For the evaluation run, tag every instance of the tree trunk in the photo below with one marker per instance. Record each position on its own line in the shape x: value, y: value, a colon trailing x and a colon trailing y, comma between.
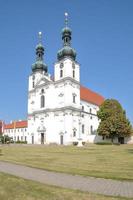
x: 112, y: 140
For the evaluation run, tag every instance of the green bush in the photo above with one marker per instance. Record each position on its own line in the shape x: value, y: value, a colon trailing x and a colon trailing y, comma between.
x: 75, y: 143
x: 104, y: 143
x: 21, y: 142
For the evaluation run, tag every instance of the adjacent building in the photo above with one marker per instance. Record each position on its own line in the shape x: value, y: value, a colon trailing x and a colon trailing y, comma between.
x: 17, y: 130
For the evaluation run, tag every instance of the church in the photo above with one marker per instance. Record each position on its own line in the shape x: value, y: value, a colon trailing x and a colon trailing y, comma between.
x: 60, y: 109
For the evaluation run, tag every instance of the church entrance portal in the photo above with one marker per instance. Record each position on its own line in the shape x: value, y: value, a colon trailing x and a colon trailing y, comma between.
x: 42, y: 138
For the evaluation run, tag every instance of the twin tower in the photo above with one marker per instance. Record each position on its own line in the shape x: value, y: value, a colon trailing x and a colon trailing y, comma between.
x: 65, y: 52
x: 54, y: 101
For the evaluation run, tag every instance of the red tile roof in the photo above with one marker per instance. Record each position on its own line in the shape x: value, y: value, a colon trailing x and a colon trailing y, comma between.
x: 90, y: 96
x: 16, y: 124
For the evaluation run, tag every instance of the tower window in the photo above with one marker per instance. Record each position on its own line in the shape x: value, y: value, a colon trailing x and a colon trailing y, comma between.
x: 42, y: 101
x: 73, y: 73
x: 33, y: 84
x: 83, y: 128
x: 61, y: 73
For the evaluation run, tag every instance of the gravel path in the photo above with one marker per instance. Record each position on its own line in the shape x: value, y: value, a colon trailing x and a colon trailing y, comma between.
x: 87, y: 184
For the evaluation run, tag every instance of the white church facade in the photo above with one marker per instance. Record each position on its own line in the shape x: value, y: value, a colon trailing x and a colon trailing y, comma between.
x: 60, y: 110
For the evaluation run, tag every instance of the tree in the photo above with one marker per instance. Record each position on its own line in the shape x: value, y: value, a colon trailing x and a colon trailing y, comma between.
x: 4, y: 139
x: 113, y: 120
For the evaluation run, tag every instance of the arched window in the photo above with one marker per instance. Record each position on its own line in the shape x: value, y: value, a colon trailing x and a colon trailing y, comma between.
x: 42, y: 101
x: 83, y: 128
x: 73, y: 73
x: 61, y: 73
x: 91, y: 129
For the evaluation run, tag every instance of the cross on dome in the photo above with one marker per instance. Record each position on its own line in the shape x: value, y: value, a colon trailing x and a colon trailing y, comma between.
x: 66, y: 19
x: 40, y: 36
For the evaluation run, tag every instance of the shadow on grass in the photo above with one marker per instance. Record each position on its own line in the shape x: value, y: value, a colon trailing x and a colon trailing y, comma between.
x: 130, y: 151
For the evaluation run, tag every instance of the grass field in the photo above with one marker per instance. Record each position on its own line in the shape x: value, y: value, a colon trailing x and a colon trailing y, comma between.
x: 13, y: 188
x: 110, y: 161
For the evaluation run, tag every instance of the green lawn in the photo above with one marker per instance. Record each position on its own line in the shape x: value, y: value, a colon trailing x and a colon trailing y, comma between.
x: 13, y: 188
x: 108, y: 161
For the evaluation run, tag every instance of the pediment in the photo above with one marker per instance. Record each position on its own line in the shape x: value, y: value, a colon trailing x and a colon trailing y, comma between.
x: 42, y: 81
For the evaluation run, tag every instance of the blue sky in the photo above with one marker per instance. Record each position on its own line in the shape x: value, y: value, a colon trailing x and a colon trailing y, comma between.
x: 102, y: 37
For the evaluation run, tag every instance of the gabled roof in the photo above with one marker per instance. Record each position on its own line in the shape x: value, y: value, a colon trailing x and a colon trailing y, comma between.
x: 16, y: 124
x: 90, y: 96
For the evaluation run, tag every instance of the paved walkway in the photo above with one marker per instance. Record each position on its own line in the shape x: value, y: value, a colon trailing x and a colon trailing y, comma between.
x: 88, y: 184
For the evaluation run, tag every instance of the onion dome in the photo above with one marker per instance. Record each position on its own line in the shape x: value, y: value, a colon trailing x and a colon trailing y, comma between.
x: 66, y: 32
x: 39, y: 65
x: 67, y: 50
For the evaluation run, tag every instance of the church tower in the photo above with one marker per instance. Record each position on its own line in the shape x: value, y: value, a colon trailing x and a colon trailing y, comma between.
x: 37, y: 96
x: 66, y: 65
x: 67, y: 70
x: 39, y: 68
x: 54, y: 103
